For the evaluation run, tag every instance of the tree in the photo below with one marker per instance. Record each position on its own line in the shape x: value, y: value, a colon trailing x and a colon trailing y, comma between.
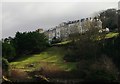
x: 85, y: 46
x: 109, y: 18
x: 8, y: 51
x: 29, y: 42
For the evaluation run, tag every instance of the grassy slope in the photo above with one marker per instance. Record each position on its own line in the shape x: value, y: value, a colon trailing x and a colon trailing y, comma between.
x: 50, y: 59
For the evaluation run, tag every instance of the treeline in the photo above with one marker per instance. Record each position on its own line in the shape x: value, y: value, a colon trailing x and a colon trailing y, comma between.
x: 23, y: 44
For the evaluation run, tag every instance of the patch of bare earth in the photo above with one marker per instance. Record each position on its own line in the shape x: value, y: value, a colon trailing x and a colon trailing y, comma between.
x: 18, y: 75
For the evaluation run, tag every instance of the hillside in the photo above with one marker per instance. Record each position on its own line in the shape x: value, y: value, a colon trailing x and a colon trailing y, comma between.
x: 48, y: 63
x: 50, y: 59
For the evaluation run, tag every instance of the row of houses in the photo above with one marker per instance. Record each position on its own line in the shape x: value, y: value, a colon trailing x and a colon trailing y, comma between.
x: 64, y: 29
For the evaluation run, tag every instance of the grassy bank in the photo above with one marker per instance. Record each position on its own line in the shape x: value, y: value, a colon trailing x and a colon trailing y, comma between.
x: 52, y: 58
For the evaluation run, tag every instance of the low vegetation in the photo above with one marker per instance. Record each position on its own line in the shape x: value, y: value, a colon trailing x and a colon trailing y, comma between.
x: 96, y: 58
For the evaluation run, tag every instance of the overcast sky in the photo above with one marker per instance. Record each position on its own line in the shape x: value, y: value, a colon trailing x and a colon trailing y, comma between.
x: 29, y: 16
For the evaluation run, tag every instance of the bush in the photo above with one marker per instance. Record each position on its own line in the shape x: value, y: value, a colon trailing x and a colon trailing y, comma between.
x: 112, y: 49
x: 101, y: 75
x: 55, y: 40
x: 70, y: 58
x: 85, y: 46
x: 102, y: 69
x: 5, y: 67
x: 8, y: 51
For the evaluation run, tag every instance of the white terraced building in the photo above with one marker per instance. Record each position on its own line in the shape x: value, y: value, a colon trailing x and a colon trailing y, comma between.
x: 64, y: 29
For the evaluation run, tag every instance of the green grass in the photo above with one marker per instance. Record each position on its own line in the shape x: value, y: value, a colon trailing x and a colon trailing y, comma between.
x: 111, y: 34
x: 107, y: 36
x: 65, y: 42
x: 51, y: 57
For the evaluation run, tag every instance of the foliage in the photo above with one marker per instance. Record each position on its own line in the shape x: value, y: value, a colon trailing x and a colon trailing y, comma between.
x: 5, y: 67
x: 103, y: 69
x: 84, y: 46
x: 109, y: 19
x: 29, y: 42
x: 89, y: 49
x: 111, y: 48
x: 55, y: 40
x: 101, y: 75
x: 8, y: 51
x: 22, y: 44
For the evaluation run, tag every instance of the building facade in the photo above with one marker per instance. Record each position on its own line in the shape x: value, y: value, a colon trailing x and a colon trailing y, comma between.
x: 63, y: 30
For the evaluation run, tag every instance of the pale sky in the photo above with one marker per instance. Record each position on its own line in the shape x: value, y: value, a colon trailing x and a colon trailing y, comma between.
x: 29, y: 16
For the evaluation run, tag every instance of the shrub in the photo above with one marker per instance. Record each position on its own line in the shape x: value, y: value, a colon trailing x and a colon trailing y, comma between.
x: 85, y: 46
x: 112, y: 49
x: 8, y: 51
x: 104, y: 69
x: 70, y: 56
x: 5, y: 67
x: 102, y: 75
